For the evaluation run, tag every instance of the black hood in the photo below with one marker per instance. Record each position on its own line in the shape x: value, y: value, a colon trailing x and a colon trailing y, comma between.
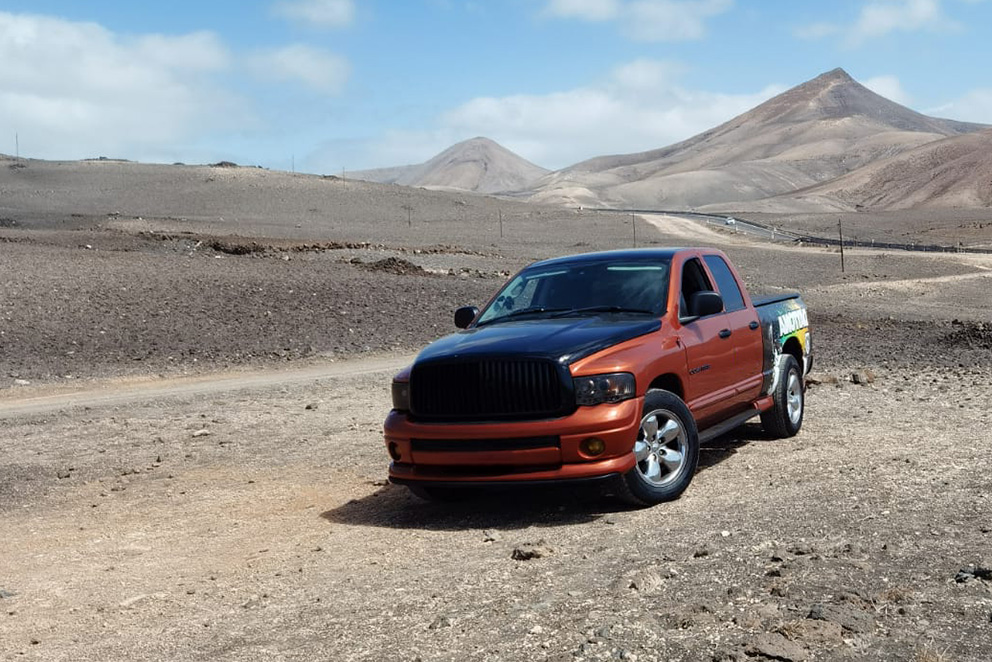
x: 563, y: 339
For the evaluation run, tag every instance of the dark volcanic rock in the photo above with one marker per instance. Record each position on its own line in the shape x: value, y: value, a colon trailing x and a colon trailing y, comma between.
x: 531, y: 550
x: 774, y: 646
x: 848, y: 616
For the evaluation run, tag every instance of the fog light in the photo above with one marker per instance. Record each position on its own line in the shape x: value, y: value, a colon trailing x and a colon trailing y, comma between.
x: 592, y: 446
x: 394, y: 450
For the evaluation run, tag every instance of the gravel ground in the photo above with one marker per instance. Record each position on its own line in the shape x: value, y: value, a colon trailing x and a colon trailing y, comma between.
x: 252, y: 521
x: 255, y: 524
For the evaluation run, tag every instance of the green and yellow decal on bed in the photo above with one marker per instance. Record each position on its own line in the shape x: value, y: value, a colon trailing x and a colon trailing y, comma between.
x: 786, y: 324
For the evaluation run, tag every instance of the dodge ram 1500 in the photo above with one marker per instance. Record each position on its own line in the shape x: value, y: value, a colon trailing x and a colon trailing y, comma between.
x: 609, y: 366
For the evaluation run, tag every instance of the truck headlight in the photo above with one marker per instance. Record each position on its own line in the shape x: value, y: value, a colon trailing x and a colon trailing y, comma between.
x: 401, y: 396
x: 597, y: 389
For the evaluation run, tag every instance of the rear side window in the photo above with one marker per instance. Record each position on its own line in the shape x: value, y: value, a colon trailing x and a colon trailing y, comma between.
x: 725, y: 281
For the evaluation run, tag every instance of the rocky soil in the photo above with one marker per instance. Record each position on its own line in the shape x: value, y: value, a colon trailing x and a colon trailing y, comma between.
x: 251, y: 520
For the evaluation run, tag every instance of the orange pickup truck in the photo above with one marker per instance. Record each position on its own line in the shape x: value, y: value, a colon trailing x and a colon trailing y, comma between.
x: 609, y: 366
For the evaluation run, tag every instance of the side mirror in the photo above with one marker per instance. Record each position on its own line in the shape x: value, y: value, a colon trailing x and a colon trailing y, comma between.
x: 465, y: 315
x: 705, y: 303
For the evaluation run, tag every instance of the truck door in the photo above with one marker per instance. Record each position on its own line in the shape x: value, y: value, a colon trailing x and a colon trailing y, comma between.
x: 709, y: 351
x: 743, y: 323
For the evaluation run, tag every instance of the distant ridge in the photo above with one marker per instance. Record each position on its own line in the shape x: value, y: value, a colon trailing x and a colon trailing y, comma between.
x: 479, y: 165
x: 810, y: 134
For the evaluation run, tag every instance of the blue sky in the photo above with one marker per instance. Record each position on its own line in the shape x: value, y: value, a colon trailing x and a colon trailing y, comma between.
x: 322, y: 85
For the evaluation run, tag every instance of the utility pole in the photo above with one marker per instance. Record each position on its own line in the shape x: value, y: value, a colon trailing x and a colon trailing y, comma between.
x: 17, y: 147
x: 840, y: 231
x: 633, y: 226
x: 500, y: 223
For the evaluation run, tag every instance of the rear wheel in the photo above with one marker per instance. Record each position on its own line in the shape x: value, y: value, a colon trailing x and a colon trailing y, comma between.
x: 666, y: 450
x: 786, y: 416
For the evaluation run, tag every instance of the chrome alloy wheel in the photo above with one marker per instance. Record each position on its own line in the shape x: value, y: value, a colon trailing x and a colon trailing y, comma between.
x: 794, y: 398
x: 660, y: 447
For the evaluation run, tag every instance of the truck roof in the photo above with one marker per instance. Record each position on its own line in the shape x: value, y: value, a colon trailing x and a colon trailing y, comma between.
x: 622, y: 254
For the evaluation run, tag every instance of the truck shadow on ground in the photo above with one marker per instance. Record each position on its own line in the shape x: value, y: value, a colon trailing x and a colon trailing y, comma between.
x: 395, y: 507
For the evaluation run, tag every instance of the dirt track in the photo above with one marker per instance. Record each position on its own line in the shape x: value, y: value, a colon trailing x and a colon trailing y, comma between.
x: 128, y: 392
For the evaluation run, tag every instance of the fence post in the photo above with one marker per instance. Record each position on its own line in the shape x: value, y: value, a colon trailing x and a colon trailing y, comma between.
x: 840, y: 231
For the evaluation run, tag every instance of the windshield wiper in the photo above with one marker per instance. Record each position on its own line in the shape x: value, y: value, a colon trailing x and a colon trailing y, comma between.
x: 604, y: 309
x: 523, y: 311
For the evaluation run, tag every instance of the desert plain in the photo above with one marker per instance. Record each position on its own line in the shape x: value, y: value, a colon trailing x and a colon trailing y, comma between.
x: 195, y: 365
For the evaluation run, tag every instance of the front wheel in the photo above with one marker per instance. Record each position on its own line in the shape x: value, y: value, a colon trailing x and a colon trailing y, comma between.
x: 666, y: 449
x: 786, y: 416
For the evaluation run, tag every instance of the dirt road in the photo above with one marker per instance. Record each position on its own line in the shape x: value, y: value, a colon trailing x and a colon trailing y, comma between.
x: 129, y: 391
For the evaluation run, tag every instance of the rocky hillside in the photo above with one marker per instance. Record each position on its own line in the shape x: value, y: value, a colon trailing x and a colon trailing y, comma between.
x: 953, y: 172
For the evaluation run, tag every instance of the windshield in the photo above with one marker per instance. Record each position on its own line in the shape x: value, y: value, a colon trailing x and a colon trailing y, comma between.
x: 637, y: 287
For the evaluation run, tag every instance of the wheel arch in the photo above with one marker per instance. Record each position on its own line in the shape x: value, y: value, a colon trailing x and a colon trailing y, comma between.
x: 669, y: 382
x: 794, y: 348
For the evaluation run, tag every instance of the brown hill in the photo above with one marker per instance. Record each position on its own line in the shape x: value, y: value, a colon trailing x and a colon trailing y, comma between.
x: 812, y: 133
x: 231, y: 200
x: 953, y: 172
x: 479, y: 165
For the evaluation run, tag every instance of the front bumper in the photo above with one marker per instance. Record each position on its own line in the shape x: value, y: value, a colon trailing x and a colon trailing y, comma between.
x: 513, y: 452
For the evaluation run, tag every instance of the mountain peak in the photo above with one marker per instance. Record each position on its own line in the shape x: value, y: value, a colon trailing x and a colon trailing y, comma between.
x: 818, y: 130
x: 479, y: 144
x: 835, y: 95
x: 478, y: 164
x: 836, y: 75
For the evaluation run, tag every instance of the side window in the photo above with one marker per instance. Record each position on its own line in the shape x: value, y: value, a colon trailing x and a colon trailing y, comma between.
x: 731, y: 293
x: 693, y: 280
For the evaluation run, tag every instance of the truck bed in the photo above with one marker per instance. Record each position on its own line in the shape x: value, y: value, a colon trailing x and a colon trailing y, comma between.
x: 769, y: 299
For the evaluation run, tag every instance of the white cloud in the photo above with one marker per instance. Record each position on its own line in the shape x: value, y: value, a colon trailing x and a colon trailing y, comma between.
x: 668, y: 20
x: 641, y: 105
x: 889, y: 87
x: 879, y: 18
x: 974, y: 106
x: 318, y: 69
x: 816, y: 30
x: 589, y: 10
x: 645, y: 20
x: 317, y: 13
x: 74, y: 90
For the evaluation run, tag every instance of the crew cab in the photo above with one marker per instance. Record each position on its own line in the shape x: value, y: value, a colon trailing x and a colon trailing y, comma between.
x: 609, y: 366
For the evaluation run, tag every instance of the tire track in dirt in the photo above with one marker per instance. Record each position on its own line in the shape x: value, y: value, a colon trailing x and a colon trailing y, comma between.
x: 909, y: 283
x: 126, y: 391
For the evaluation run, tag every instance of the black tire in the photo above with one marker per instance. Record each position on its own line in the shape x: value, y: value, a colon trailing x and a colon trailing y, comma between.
x: 438, y: 494
x: 785, y: 418
x: 667, y: 451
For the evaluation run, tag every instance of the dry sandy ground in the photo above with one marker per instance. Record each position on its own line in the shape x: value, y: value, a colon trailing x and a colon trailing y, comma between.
x: 223, y: 496
x: 130, y: 533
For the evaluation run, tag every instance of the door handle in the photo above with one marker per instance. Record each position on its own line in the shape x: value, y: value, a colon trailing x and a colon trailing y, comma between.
x: 752, y: 326
x: 725, y: 333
